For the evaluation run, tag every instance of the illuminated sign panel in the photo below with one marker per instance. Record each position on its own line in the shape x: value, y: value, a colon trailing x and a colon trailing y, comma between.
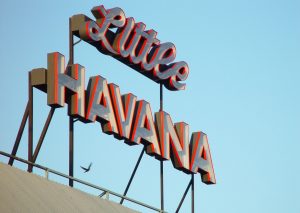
x: 132, y: 45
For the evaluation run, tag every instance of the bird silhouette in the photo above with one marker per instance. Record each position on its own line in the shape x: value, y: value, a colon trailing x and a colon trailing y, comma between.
x: 86, y: 169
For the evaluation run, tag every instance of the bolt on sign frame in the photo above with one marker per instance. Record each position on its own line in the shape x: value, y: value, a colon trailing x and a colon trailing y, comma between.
x: 98, y: 34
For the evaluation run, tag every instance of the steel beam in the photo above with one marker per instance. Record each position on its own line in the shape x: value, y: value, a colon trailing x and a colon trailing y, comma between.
x: 161, y: 162
x: 71, y: 122
x: 71, y: 150
x: 161, y: 101
x: 193, y: 193
x: 43, y: 134
x: 161, y: 185
x: 30, y: 122
x: 183, y: 196
x: 19, y: 135
x: 132, y: 175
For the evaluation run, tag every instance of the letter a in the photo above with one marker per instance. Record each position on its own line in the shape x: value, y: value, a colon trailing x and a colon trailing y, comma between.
x: 99, y: 106
x: 201, y: 158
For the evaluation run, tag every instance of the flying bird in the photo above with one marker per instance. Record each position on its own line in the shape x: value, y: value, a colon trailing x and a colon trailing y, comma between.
x: 86, y: 169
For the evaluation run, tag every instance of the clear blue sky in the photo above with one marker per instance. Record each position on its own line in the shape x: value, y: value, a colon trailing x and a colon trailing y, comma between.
x: 243, y: 91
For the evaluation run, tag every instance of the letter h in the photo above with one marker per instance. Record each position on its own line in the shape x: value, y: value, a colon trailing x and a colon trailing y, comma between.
x: 59, y: 79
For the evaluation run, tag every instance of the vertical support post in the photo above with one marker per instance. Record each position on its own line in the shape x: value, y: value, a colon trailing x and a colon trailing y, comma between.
x: 161, y: 185
x: 161, y: 162
x: 193, y: 195
x: 30, y: 122
x: 71, y: 45
x: 47, y: 174
x: 161, y: 97
x: 71, y: 150
x: 71, y: 122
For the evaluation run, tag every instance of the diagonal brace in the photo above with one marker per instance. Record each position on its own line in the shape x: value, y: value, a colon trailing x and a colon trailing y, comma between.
x: 132, y: 175
x: 19, y: 135
x: 184, y: 195
x: 43, y: 134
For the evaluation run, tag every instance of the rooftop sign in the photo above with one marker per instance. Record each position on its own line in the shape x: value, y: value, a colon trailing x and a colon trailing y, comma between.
x: 125, y: 116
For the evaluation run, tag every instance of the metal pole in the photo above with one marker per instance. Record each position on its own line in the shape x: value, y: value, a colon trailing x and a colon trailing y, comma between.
x: 161, y: 185
x: 102, y: 194
x: 161, y: 97
x: 71, y: 123
x: 132, y: 175
x: 71, y: 150
x: 30, y: 122
x: 71, y: 45
x: 19, y: 135
x: 161, y: 162
x: 107, y: 195
x: 47, y: 174
x: 184, y: 195
x: 193, y: 194
x: 43, y: 134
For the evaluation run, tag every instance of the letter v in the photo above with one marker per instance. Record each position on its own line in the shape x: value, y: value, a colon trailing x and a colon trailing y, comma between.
x: 124, y: 108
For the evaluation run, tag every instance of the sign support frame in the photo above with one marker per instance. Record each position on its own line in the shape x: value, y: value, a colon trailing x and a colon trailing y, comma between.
x: 19, y: 135
x: 132, y: 175
x: 30, y: 122
x: 161, y: 162
x: 193, y: 193
x: 71, y: 121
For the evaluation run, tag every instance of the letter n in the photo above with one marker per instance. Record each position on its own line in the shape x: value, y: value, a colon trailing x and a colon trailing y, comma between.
x: 143, y: 129
x: 177, y: 136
